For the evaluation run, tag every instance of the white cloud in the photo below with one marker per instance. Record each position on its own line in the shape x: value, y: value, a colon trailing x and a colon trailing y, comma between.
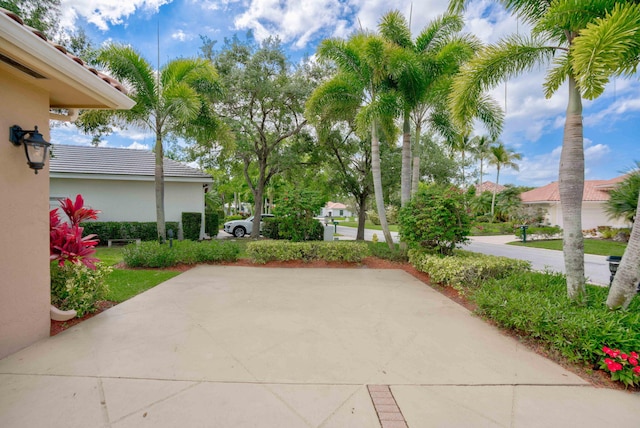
x: 137, y: 146
x: 181, y: 36
x: 103, y: 13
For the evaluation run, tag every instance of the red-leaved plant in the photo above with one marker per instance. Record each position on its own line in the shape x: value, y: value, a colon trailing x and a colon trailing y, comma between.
x: 66, y: 241
x: 623, y: 366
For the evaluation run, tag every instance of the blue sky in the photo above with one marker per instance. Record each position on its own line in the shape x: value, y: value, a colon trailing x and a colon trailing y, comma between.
x: 533, y: 127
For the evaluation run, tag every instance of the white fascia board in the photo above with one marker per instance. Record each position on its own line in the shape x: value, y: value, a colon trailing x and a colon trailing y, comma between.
x: 43, y: 57
x: 126, y: 177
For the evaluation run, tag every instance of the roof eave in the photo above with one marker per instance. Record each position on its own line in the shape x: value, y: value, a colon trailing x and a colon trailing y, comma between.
x: 40, y: 56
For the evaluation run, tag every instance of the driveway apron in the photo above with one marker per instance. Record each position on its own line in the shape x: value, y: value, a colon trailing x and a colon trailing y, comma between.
x: 222, y: 346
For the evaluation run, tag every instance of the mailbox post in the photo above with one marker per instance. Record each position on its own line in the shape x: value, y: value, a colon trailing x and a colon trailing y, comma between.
x: 524, y: 228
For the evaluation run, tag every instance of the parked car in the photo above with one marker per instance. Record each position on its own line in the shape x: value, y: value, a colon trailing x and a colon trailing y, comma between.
x: 239, y: 228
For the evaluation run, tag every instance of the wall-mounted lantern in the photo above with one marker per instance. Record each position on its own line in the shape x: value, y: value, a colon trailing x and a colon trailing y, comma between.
x: 35, y: 146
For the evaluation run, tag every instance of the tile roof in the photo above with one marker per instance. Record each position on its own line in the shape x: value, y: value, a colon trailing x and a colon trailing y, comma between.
x: 335, y: 205
x: 488, y: 186
x: 594, y: 191
x: 115, y: 161
x: 109, y: 80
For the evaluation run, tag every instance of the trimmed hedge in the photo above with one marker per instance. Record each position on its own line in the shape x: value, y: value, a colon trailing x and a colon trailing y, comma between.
x: 465, y: 269
x: 211, y: 223
x: 156, y: 255
x: 146, y: 231
x: 539, y: 232
x: 265, y: 251
x: 536, y: 305
x: 191, y: 223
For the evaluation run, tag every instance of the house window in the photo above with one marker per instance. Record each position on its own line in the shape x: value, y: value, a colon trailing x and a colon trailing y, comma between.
x: 341, y: 213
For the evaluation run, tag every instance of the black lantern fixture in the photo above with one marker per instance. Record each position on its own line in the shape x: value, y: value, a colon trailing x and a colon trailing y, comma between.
x: 35, y: 146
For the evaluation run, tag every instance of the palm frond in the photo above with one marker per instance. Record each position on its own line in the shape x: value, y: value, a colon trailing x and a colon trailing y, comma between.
x: 128, y: 66
x: 607, y: 46
x: 557, y: 75
x: 438, y: 32
x: 394, y: 27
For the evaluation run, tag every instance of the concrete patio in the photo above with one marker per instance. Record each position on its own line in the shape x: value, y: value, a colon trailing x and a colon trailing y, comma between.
x: 222, y: 346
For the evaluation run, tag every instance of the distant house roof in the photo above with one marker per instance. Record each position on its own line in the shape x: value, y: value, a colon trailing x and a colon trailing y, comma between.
x: 115, y: 161
x: 594, y: 191
x: 488, y: 186
x: 335, y: 206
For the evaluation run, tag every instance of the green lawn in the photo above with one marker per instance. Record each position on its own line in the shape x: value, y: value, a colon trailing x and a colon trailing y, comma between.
x: 368, y: 225
x: 591, y: 246
x: 126, y: 283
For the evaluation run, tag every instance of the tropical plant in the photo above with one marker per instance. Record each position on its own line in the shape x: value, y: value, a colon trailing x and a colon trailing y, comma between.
x: 623, y: 200
x: 421, y: 71
x: 435, y: 219
x: 481, y: 150
x: 501, y: 157
x: 66, y: 243
x: 174, y: 101
x: 587, y: 42
x: 361, y: 83
x: 295, y: 212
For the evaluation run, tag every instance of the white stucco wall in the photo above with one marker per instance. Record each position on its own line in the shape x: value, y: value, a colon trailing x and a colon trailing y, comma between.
x: 593, y: 215
x: 130, y: 200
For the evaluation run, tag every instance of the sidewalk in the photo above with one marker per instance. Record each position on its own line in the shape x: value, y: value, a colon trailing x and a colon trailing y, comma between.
x: 223, y: 346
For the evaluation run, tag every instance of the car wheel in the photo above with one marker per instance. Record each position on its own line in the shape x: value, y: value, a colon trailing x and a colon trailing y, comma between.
x: 239, y: 232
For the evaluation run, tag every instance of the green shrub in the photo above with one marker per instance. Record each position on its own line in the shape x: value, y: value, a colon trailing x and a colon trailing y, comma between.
x: 382, y: 251
x: 211, y: 223
x: 270, y: 228
x: 294, y: 216
x: 266, y: 251
x: 373, y: 217
x: 156, y: 255
x: 392, y: 214
x: 75, y: 286
x: 465, y: 269
x: 435, y: 218
x: 536, y: 305
x: 233, y: 217
x: 488, y: 228
x: 191, y: 223
x: 539, y: 232
x: 146, y: 231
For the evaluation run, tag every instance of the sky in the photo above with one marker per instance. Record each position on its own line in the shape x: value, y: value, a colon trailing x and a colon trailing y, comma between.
x: 533, y: 125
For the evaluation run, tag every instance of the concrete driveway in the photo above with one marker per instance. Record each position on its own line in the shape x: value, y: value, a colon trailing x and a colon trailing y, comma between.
x: 222, y: 346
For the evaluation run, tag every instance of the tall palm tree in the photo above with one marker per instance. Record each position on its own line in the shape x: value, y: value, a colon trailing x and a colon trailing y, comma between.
x: 481, y: 147
x: 501, y: 157
x: 557, y: 29
x: 361, y: 80
x: 172, y: 101
x: 422, y: 70
x: 610, y: 46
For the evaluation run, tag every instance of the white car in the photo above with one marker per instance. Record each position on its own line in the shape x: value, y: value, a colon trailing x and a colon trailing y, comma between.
x: 239, y: 228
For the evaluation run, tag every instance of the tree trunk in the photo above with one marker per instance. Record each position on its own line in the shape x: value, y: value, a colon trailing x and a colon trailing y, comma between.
x: 571, y: 187
x: 405, y: 174
x: 481, y: 164
x: 416, y: 160
x: 377, y: 184
x: 416, y: 175
x: 257, y: 197
x: 159, y: 180
x: 495, y: 190
x: 362, y: 216
x: 624, y: 285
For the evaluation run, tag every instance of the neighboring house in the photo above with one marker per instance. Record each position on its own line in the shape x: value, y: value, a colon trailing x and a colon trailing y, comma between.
x: 35, y: 77
x: 120, y: 183
x: 595, y: 195
x: 489, y: 186
x: 335, y: 209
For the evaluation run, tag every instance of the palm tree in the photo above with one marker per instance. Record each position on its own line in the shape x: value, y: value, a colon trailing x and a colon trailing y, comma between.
x: 481, y: 147
x: 610, y: 46
x: 361, y: 81
x: 557, y: 31
x: 422, y: 71
x: 501, y: 157
x: 173, y: 101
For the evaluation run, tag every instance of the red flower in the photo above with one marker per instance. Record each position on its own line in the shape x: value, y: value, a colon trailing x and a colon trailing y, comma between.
x: 615, y: 353
x: 606, y: 350
x: 633, y: 361
x: 636, y: 370
x: 624, y: 356
x: 634, y: 355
